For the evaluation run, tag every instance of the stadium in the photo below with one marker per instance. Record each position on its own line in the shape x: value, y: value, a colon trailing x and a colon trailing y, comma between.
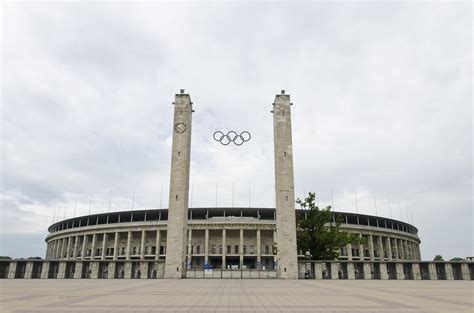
x: 217, y: 238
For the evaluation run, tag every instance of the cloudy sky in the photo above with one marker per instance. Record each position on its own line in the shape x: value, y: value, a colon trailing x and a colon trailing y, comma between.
x: 382, y: 109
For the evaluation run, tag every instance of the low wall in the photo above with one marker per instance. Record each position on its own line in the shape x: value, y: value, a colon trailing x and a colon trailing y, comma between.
x: 405, y: 270
x: 401, y: 270
x: 52, y: 269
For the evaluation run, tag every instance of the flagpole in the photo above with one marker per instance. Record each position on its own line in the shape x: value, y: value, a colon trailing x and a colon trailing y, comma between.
x: 390, y: 207
x: 133, y: 199
x: 332, y: 199
x: 250, y: 202
x: 75, y: 207
x: 161, y: 196
x: 355, y: 197
x: 233, y: 194
x: 375, y: 204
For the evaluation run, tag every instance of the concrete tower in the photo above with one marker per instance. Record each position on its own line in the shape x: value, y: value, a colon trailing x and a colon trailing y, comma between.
x: 284, y: 188
x: 179, y: 187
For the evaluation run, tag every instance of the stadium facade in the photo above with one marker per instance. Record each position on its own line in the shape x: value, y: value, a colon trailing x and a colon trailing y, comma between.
x: 181, y: 242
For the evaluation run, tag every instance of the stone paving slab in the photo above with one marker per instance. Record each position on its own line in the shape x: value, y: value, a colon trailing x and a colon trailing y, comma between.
x: 145, y: 296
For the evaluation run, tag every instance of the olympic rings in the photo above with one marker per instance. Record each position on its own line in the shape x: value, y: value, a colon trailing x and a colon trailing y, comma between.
x: 231, y: 136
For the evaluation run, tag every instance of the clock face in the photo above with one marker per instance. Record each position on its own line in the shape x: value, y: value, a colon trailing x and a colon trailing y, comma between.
x: 180, y: 128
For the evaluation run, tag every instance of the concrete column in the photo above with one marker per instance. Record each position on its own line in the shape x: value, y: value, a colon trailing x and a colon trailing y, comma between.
x: 53, y: 250
x: 349, y: 251
x: 68, y: 249
x: 94, y: 239
x: 334, y: 270
x: 144, y: 270
x: 58, y: 249
x: 84, y: 242
x: 318, y: 271
x: 449, y: 271
x: 45, y: 270
x: 104, y: 241
x: 52, y: 254
x: 74, y: 251
x: 371, y: 248
x: 361, y: 249
x: 206, y: 246
x: 413, y: 252
x: 432, y: 270
x: 190, y: 249
x: 400, y: 274
x: 383, y: 271
x: 111, y: 270
x: 465, y: 271
x: 63, y: 246
x: 401, y: 249
x: 415, y: 267
x: 350, y: 270
x: 127, y: 251
x: 179, y: 187
x: 28, y: 270
x: 127, y: 270
x: 142, y: 245
x: 62, y: 270
x: 367, y: 271
x: 380, y: 247
x: 389, y: 248
x: 224, y: 248
x: 407, y: 250
x: 284, y: 188
x: 274, y: 236
x: 48, y: 248
x: 158, y: 239
x: 259, y: 252
x: 418, y: 251
x: 78, y: 270
x: 115, y: 246
x: 241, y: 248
x: 94, y: 270
x: 395, y: 249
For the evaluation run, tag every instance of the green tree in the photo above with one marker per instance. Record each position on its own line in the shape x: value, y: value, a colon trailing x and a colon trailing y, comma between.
x: 456, y: 259
x: 318, y: 234
x: 5, y: 257
x: 438, y: 258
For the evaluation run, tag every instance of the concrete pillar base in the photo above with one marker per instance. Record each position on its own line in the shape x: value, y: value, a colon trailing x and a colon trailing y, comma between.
x: 383, y: 271
x: 78, y: 271
x: 62, y: 270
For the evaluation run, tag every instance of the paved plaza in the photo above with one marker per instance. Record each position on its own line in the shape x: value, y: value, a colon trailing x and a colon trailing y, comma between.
x: 226, y: 295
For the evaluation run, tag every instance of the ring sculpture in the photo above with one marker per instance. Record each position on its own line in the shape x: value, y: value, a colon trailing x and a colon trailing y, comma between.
x: 231, y: 136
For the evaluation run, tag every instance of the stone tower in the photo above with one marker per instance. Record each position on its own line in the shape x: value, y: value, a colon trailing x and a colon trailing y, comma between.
x: 179, y: 187
x: 284, y: 188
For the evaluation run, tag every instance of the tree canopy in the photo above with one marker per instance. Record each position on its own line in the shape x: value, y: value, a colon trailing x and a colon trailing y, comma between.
x: 438, y: 258
x: 318, y: 233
